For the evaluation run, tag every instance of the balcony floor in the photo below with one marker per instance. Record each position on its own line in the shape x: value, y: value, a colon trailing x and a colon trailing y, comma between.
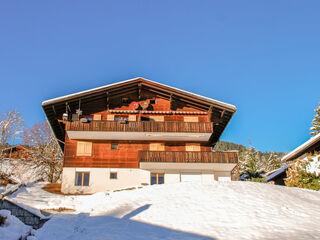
x: 138, y: 136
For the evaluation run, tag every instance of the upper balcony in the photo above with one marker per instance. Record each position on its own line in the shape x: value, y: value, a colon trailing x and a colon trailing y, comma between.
x: 142, y: 130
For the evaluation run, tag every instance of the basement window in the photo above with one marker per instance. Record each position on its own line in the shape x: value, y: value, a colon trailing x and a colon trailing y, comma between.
x: 82, y: 179
x: 157, y: 178
x: 114, y: 146
x: 113, y: 175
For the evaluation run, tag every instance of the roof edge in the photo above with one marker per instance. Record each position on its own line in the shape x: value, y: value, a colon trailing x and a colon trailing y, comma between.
x: 217, y: 102
x: 301, y: 148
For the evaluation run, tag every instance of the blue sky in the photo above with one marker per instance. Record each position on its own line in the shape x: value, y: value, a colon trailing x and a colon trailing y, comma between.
x: 262, y: 56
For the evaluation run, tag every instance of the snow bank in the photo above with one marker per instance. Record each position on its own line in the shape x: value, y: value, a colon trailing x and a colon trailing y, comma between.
x: 314, y: 166
x: 13, y: 228
x: 221, y: 210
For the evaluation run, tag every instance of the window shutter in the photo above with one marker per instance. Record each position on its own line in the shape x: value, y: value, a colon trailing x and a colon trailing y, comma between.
x: 191, y: 119
x: 110, y: 117
x: 97, y: 117
x: 156, y: 147
x: 157, y: 118
x: 194, y: 147
x: 84, y: 148
x: 132, y: 118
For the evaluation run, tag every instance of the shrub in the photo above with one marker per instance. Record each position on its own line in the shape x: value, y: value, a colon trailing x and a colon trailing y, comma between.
x: 258, y: 179
x: 298, y: 176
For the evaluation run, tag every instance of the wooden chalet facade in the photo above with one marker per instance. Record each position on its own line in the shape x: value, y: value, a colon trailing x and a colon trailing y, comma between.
x: 139, y: 132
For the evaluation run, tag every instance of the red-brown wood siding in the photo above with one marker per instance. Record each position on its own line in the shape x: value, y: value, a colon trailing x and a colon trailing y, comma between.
x: 125, y: 157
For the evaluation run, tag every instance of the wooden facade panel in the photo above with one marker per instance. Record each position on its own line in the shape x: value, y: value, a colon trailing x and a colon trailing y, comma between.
x: 126, y: 156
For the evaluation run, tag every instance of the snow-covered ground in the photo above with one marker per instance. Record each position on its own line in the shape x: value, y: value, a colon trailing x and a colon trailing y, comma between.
x: 222, y: 210
x: 13, y: 228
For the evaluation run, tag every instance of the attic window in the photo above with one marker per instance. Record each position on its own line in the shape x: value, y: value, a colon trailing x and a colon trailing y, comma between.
x: 125, y: 100
x: 153, y: 101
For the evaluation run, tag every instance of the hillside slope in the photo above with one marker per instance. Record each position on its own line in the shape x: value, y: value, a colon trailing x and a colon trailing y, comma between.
x: 222, y: 210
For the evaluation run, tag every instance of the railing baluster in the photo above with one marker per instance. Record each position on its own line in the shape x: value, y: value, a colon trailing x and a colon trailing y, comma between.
x: 188, y: 156
x: 142, y: 126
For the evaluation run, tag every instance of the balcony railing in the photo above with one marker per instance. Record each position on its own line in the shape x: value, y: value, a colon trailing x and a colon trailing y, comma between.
x: 188, y: 157
x: 118, y: 126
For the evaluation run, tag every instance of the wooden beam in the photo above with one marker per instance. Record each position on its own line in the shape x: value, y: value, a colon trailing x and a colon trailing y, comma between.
x: 55, y: 114
x: 107, y: 100
x: 195, y: 99
x: 139, y: 90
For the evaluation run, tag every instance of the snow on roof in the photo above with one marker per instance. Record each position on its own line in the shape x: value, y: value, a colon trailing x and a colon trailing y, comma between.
x: 302, y: 148
x: 277, y: 172
x: 50, y: 101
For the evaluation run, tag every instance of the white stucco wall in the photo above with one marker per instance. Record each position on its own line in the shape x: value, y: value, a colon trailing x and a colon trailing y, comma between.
x: 207, y: 177
x: 222, y: 176
x: 100, y: 179
x: 126, y: 177
x: 171, y: 177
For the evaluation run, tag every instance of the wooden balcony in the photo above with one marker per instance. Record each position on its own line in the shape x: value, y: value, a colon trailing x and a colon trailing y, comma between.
x: 117, y: 126
x: 188, y: 157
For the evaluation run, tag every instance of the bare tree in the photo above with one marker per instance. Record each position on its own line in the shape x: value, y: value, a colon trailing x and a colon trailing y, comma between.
x: 11, y: 124
x: 46, y: 153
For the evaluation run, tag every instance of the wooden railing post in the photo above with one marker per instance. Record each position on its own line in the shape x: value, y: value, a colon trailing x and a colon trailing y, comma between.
x: 142, y: 126
x: 188, y: 156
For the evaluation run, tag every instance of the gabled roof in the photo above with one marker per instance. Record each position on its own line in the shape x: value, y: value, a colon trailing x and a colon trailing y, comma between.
x: 54, y: 108
x: 308, y: 146
x: 276, y: 173
x: 66, y: 97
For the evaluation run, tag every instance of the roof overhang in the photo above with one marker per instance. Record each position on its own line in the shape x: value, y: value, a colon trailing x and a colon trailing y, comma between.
x: 139, y: 136
x: 310, y: 145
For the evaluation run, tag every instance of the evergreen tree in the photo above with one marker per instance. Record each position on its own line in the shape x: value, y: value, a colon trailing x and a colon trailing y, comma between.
x: 315, y: 129
x: 250, y: 162
x: 272, y: 162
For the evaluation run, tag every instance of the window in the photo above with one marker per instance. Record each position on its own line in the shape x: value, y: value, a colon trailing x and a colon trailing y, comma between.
x: 145, y: 119
x: 157, y: 178
x: 156, y: 147
x: 114, y: 146
x: 84, y: 148
x: 153, y: 101
x: 121, y: 118
x: 82, y: 179
x: 125, y: 100
x: 113, y: 175
x: 191, y: 119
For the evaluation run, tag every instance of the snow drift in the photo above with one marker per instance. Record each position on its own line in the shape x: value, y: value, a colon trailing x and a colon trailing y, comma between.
x: 222, y: 210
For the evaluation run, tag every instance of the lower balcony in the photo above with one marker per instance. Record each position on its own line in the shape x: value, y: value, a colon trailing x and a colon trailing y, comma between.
x: 188, y: 161
x: 188, y: 157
